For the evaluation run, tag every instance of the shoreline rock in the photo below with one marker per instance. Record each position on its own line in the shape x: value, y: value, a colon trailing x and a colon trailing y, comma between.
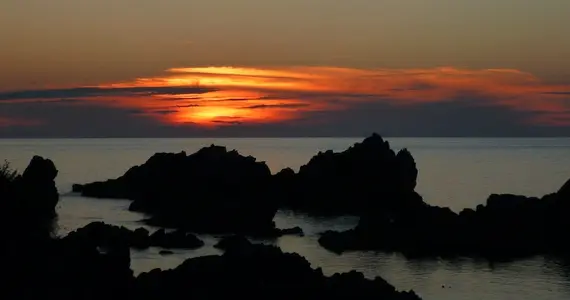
x: 368, y: 175
x: 369, y: 180
x: 220, y: 191
x: 210, y: 191
x: 104, y: 235
x: 259, y: 271
x: 507, y: 227
x: 94, y: 262
x: 28, y: 200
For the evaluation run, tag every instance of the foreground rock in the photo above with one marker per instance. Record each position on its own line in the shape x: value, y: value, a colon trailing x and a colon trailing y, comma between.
x: 28, y: 201
x: 507, y: 227
x: 367, y: 176
x: 69, y: 269
x: 66, y: 269
x: 259, y: 272
x: 103, y: 235
x: 94, y: 262
x: 210, y: 191
x: 37, y: 266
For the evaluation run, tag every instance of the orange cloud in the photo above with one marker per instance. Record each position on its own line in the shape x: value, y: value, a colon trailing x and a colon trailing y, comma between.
x: 8, y: 122
x: 286, y: 93
x: 218, y: 96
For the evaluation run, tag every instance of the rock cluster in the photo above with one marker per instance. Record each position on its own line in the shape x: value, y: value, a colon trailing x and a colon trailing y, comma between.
x: 369, y: 180
x: 220, y: 191
x: 508, y: 226
x: 260, y: 272
x: 94, y: 262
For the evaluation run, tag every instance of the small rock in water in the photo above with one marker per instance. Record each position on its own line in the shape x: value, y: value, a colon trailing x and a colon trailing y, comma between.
x: 165, y: 252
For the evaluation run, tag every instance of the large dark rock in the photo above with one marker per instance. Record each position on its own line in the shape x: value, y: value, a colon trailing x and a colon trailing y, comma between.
x: 259, y: 272
x: 367, y: 176
x: 66, y: 269
x: 28, y: 201
x: 232, y: 242
x: 74, y: 268
x: 94, y: 262
x: 507, y: 227
x: 220, y: 191
x: 210, y: 191
x: 38, y: 182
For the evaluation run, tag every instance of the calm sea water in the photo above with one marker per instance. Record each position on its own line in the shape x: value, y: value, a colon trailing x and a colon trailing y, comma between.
x: 457, y: 173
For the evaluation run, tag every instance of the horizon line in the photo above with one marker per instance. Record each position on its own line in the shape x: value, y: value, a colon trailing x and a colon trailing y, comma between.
x: 285, y: 137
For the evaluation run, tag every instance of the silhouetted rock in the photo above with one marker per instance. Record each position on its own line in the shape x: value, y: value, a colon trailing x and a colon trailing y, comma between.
x: 93, y: 262
x: 100, y: 234
x: 65, y: 269
x: 75, y: 268
x: 292, y: 231
x: 564, y: 191
x: 259, y: 272
x: 38, y: 182
x: 210, y: 191
x: 28, y: 201
x: 367, y: 176
x: 37, y: 266
x: 232, y: 242
x: 220, y: 191
x: 507, y: 227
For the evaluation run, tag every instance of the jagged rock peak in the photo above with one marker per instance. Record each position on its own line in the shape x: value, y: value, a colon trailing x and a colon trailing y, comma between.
x: 564, y: 191
x: 374, y: 138
x: 374, y: 141
x: 40, y: 169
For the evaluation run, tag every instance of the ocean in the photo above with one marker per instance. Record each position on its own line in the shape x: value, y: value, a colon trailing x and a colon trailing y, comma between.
x: 453, y: 172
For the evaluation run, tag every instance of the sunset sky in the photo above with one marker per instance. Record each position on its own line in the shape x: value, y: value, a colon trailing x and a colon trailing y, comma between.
x: 176, y: 68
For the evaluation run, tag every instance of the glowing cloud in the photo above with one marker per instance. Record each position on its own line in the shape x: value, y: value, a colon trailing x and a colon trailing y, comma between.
x: 288, y: 92
x: 7, y: 122
x: 225, y: 96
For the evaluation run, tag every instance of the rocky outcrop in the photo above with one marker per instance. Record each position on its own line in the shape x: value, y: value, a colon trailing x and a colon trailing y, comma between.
x: 258, y: 272
x: 28, y: 201
x: 103, y: 235
x: 507, y: 227
x: 210, y: 191
x: 94, y: 262
x: 367, y: 176
x: 220, y: 191
x: 66, y: 269
x: 71, y: 268
x: 232, y: 242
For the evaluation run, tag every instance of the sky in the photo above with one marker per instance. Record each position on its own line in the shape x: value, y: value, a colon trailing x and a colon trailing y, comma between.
x: 177, y: 68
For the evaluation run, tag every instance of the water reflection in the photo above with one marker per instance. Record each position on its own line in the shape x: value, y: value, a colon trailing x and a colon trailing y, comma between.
x: 461, y: 278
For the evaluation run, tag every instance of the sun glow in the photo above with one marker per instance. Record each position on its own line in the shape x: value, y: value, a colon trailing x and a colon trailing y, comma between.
x: 234, y: 95
x: 207, y: 114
